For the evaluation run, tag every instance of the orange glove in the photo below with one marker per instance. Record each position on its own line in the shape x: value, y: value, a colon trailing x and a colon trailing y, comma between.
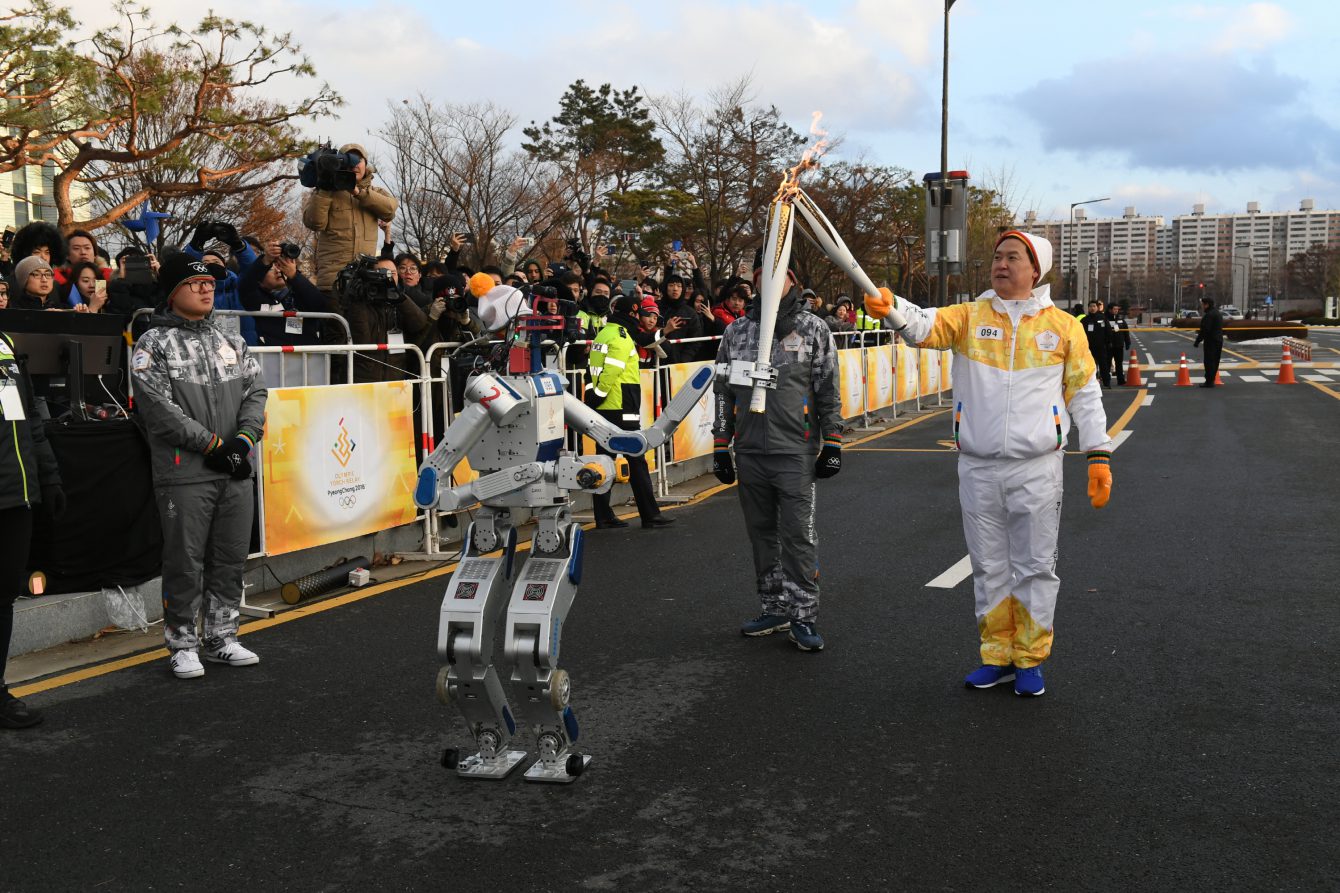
x: 1100, y: 478
x: 878, y: 306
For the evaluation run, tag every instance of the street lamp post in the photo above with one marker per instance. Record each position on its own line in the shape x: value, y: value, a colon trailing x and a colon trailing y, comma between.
x: 1068, y: 238
x: 943, y: 300
x: 908, y: 242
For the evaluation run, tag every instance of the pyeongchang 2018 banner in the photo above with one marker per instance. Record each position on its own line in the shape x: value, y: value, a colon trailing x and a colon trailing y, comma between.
x: 339, y: 463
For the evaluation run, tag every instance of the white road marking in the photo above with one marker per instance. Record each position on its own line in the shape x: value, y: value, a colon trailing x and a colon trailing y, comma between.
x: 1165, y: 374
x: 1252, y: 378
x: 961, y: 571
x: 1148, y: 400
x: 1317, y: 377
x: 1121, y: 438
x: 1149, y: 358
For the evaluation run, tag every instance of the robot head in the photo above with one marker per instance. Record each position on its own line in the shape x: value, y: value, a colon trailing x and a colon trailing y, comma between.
x: 500, y: 305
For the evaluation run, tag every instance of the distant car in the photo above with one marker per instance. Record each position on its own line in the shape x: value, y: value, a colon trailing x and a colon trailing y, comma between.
x: 1190, y: 314
x: 1230, y: 312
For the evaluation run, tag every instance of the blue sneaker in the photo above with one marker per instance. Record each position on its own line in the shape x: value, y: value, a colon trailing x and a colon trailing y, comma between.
x: 765, y: 625
x: 805, y: 636
x: 1028, y: 681
x: 988, y: 675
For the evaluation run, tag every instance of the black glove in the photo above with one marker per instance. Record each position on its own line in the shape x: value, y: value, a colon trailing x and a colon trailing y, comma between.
x: 723, y: 466
x: 829, y: 462
x: 202, y: 235
x: 227, y: 234
x: 53, y: 500
x: 231, y: 459
x: 591, y: 398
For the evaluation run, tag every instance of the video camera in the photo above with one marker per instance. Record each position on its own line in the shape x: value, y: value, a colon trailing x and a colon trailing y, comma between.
x: 326, y: 168
x: 362, y: 281
x: 544, y: 300
x: 576, y: 254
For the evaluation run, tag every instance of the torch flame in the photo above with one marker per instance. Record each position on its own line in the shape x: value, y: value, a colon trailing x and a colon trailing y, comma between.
x: 808, y: 159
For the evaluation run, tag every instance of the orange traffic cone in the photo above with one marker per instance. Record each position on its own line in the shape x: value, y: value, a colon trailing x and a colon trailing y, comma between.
x: 1133, y: 379
x: 1183, y: 374
x: 1286, y: 368
x: 1217, y: 378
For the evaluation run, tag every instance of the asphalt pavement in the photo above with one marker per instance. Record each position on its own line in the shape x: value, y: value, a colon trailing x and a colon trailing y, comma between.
x: 1187, y: 739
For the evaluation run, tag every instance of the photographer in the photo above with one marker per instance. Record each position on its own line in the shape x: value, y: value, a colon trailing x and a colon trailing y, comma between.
x: 345, y: 219
x: 274, y: 282
x: 124, y: 295
x: 211, y: 243
x: 371, y: 299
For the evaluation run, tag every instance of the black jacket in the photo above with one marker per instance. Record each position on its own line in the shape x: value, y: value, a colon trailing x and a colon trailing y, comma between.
x: 1096, y: 327
x: 301, y: 295
x: 1211, y: 327
x: 27, y: 463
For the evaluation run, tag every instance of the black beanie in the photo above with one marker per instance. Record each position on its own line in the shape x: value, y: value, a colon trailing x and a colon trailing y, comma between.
x: 177, y: 269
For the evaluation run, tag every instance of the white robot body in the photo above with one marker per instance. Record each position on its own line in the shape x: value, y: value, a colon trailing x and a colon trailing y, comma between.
x: 513, y: 431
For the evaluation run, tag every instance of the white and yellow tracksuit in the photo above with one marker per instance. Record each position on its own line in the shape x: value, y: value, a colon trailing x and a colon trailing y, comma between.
x: 1022, y: 370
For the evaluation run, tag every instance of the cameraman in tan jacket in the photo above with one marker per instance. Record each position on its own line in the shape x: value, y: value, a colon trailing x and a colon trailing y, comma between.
x: 345, y: 221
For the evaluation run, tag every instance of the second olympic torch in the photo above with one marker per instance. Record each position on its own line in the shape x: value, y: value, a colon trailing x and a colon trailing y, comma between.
x: 827, y: 239
x: 772, y: 285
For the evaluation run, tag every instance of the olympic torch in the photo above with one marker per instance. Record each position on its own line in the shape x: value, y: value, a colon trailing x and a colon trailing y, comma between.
x: 827, y: 238
x: 772, y: 285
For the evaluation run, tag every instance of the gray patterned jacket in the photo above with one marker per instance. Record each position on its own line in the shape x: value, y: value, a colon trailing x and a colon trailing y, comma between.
x: 803, y: 412
x: 193, y: 382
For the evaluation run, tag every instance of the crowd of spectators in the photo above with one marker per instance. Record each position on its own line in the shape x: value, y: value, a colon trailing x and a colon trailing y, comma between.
x: 679, y: 312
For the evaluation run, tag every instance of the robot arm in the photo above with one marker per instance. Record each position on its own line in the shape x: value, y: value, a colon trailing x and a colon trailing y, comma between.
x: 635, y: 443
x: 586, y: 420
x: 679, y: 407
x: 489, y: 401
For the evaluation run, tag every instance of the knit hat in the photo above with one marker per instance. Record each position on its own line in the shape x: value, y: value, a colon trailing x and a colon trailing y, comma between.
x: 179, y: 268
x: 1039, y: 250
x: 27, y: 267
x: 649, y: 307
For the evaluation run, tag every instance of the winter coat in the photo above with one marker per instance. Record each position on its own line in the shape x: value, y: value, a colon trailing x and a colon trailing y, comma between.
x: 195, y: 386
x: 345, y: 225
x: 807, y: 386
x: 371, y: 322
x: 300, y: 295
x: 27, y: 463
x: 1211, y: 327
x: 1019, y: 379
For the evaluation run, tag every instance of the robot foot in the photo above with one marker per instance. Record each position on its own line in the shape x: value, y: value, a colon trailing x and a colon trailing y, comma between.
x: 477, y: 765
x: 564, y: 769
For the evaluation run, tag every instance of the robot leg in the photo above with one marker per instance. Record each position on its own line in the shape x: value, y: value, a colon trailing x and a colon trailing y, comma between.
x: 541, y: 599
x: 466, y: 630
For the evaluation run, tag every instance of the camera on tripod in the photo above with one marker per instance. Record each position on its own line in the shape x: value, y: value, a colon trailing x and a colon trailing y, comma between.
x: 326, y: 168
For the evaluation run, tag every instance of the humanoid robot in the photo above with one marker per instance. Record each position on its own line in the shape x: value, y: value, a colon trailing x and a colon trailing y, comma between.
x: 513, y: 430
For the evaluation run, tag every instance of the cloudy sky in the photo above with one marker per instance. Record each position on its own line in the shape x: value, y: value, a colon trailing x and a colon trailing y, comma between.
x: 1158, y: 105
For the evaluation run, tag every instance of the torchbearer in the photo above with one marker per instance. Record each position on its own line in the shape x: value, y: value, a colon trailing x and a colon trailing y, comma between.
x: 1022, y: 371
x: 775, y: 440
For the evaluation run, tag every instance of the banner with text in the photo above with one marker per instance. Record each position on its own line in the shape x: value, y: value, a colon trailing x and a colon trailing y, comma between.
x: 339, y: 463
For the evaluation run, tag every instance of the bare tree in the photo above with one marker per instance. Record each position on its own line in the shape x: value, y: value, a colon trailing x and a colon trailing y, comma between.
x: 453, y: 172
x: 182, y: 114
x: 726, y: 161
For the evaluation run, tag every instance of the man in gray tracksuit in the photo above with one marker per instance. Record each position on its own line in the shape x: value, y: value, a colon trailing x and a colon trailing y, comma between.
x: 776, y: 455
x: 201, y: 401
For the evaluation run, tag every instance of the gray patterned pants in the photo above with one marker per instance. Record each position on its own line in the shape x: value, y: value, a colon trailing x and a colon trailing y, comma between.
x: 206, y: 532
x: 777, y: 497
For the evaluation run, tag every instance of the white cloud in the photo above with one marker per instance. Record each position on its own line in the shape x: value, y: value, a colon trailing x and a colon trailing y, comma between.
x: 1255, y: 27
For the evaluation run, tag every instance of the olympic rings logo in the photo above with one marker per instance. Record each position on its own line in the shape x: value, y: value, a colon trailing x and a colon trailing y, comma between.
x: 348, y: 502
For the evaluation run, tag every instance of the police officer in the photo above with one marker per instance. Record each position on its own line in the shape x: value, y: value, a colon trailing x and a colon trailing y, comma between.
x: 1096, y: 332
x: 28, y: 477
x: 615, y: 391
x: 1118, y: 341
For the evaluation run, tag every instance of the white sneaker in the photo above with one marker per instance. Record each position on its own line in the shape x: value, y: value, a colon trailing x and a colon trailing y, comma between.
x: 186, y: 665
x: 232, y: 653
